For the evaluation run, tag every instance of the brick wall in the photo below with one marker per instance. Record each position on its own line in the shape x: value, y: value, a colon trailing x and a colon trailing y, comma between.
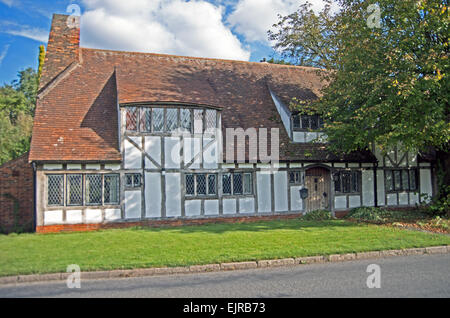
x: 16, y: 189
x: 160, y: 223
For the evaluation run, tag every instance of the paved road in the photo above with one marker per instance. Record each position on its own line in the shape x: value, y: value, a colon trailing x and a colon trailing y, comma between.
x: 410, y: 276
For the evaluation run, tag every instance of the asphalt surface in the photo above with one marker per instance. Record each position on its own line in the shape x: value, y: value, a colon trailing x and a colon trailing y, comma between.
x: 409, y: 276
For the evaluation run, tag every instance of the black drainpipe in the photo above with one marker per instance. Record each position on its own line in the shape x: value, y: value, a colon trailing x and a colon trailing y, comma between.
x: 34, y: 196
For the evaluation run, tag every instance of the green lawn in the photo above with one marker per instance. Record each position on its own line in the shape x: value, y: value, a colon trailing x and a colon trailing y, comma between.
x: 214, y: 243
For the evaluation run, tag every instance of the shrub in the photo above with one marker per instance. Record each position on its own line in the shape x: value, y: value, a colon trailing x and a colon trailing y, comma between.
x: 367, y: 214
x: 318, y: 215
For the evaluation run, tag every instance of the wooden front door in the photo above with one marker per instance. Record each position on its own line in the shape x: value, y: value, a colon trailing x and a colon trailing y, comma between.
x: 317, y: 181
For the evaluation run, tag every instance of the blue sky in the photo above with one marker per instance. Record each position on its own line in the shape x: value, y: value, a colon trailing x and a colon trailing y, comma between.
x: 234, y: 29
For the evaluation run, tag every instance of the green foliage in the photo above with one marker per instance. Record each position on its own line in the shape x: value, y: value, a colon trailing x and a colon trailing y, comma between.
x: 381, y: 215
x: 17, y: 104
x: 317, y: 215
x: 370, y: 214
x: 387, y: 85
x: 272, y: 60
x: 41, y: 62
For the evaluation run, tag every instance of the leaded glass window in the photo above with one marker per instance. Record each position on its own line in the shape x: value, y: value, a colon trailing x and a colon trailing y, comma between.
x: 158, y: 119
x: 198, y: 121
x: 74, y: 189
x: 190, y: 184
x: 111, y: 189
x: 132, y: 114
x: 212, y: 184
x: 133, y: 180
x: 185, y: 120
x: 306, y: 122
x: 397, y: 180
x: 55, y: 190
x: 171, y: 119
x: 201, y: 184
x: 94, y: 189
x: 210, y: 119
x: 295, y: 177
x: 401, y: 180
x: 248, y: 185
x: 226, y: 183
x: 413, y: 180
x: 405, y: 180
x: 146, y: 120
x: 347, y: 181
x: 389, y: 180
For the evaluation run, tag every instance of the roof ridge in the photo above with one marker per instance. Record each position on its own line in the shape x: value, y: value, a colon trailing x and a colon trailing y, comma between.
x: 204, y: 58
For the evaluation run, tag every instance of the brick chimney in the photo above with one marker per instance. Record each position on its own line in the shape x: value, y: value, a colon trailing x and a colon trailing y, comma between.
x: 63, y: 46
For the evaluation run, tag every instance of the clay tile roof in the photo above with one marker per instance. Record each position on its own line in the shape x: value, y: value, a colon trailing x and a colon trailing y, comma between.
x: 77, y: 120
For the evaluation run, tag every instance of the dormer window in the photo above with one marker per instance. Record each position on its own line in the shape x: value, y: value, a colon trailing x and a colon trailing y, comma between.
x: 306, y: 122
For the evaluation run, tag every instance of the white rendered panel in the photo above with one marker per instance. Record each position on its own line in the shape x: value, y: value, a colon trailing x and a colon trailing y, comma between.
x: 229, y: 206
x: 264, y: 191
x: 172, y: 152
x: 153, y: 149
x: 368, y: 195
x: 280, y: 191
x: 173, y: 194
x: 133, y: 204
x: 153, y: 195
x: 192, y: 207
x: 133, y: 156
x: 211, y: 207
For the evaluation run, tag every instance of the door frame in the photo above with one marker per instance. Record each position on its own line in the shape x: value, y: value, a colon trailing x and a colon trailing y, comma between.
x: 330, y: 194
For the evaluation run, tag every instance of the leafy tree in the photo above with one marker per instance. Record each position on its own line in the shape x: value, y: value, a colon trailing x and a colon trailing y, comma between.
x: 17, y: 104
x: 388, y: 85
x: 387, y: 75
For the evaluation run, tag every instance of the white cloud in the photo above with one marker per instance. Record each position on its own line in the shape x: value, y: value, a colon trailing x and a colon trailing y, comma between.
x: 3, y: 53
x: 9, y: 3
x: 33, y: 33
x: 193, y: 28
x: 253, y: 18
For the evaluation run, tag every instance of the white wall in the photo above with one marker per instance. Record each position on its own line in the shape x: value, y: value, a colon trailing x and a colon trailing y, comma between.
x: 132, y: 204
x: 284, y: 113
x: 229, y: 206
x: 211, y: 207
x: 296, y: 200
x: 340, y: 202
x: 173, y: 194
x: 53, y: 217
x: 172, y: 152
x: 153, y: 149
x: 425, y: 182
x: 264, y: 191
x: 133, y: 156
x: 95, y: 215
x: 280, y: 191
x: 191, y: 148
x: 246, y: 205
x: 153, y: 194
x: 368, y: 197
x: 380, y: 188
x: 210, y: 155
x: 192, y: 207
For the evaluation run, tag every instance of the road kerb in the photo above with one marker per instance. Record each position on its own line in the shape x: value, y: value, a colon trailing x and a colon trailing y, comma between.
x: 153, y: 271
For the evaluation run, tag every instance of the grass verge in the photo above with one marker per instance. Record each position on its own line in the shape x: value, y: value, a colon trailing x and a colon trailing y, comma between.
x: 189, y: 245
